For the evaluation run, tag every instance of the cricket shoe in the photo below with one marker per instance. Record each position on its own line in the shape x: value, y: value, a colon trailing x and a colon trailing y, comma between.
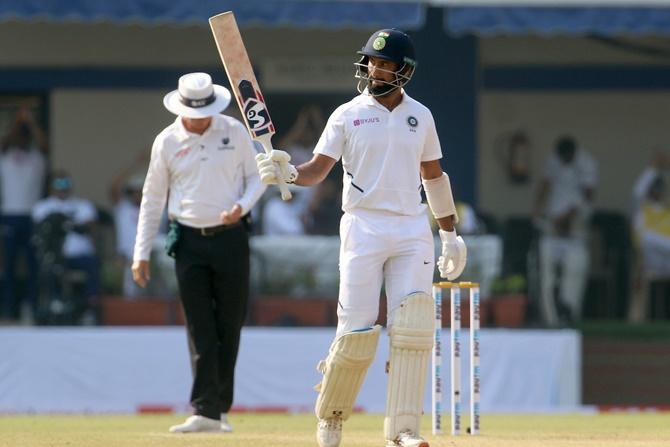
x: 329, y: 432
x: 407, y: 439
x: 225, y: 425
x: 197, y: 423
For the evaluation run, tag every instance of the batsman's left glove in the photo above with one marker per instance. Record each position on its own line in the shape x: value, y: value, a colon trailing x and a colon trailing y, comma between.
x: 454, y: 255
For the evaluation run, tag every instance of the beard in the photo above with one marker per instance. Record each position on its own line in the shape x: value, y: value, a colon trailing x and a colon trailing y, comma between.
x: 380, y: 88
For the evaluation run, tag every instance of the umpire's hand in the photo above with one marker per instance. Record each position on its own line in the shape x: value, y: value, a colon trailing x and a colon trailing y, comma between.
x: 141, y: 273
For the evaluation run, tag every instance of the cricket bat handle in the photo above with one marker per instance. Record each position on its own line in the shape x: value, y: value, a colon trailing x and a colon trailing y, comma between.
x: 283, y: 187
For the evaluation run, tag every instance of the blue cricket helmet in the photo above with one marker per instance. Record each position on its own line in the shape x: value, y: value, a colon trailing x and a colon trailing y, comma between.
x: 389, y: 44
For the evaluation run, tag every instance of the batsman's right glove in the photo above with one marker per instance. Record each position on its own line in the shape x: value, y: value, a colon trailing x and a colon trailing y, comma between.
x: 276, y: 164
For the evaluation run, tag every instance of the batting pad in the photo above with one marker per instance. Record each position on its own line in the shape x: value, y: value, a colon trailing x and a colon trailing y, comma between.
x: 343, y: 371
x: 411, y: 343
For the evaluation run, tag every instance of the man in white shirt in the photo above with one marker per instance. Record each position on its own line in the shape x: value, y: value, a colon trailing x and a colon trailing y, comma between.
x: 389, y: 147
x: 125, y: 193
x: 203, y: 164
x: 563, y: 208
x: 281, y: 218
x: 22, y: 175
x: 126, y: 214
x: 78, y: 249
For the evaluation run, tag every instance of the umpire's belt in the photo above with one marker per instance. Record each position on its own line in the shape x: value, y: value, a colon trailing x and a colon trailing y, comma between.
x: 211, y: 231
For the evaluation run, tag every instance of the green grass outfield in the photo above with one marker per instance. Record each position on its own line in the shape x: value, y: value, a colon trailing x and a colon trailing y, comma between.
x: 261, y: 430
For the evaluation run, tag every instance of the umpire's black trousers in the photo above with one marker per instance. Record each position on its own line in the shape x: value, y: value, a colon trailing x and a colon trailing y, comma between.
x: 213, y: 277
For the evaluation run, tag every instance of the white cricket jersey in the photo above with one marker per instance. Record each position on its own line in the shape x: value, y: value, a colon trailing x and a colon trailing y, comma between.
x: 126, y: 216
x: 381, y: 153
x: 80, y: 212
x: 568, y: 182
x: 21, y: 180
x: 204, y: 174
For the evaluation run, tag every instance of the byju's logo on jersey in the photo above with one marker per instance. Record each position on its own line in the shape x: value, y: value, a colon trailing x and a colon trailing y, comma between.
x: 361, y: 121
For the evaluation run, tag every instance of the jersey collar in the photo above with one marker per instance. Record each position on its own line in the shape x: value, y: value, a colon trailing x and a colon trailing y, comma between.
x: 183, y: 135
x: 370, y: 100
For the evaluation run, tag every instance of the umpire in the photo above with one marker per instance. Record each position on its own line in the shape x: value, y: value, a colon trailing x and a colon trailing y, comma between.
x: 203, y: 165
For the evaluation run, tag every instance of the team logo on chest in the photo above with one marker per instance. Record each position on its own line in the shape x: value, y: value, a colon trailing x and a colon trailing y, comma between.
x: 412, y: 122
x: 226, y: 144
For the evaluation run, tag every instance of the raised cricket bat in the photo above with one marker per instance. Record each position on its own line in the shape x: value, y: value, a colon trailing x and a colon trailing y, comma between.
x: 243, y: 83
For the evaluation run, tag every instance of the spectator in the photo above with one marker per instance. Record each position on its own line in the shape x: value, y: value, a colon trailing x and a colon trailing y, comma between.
x: 562, y: 210
x: 22, y: 172
x: 78, y: 249
x: 126, y: 195
x: 301, y: 138
x: 652, y: 218
x: 284, y: 217
x: 325, y: 209
x: 467, y: 219
x: 294, y: 217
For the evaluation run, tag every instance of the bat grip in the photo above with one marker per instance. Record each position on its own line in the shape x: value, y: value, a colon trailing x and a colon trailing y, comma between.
x: 283, y: 187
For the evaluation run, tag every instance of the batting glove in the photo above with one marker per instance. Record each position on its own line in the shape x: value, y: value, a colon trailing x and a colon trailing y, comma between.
x: 454, y: 255
x: 276, y: 165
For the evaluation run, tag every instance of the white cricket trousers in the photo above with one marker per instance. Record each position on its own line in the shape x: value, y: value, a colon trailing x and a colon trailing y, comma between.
x: 573, y: 257
x: 379, y: 247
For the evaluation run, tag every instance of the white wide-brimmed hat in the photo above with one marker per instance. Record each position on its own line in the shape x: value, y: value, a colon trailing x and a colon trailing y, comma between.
x: 197, y: 97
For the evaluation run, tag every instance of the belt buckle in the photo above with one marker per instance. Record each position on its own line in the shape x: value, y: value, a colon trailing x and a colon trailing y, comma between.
x: 204, y: 232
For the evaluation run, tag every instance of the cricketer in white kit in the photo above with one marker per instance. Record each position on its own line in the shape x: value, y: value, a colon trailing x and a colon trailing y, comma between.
x: 389, y: 149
